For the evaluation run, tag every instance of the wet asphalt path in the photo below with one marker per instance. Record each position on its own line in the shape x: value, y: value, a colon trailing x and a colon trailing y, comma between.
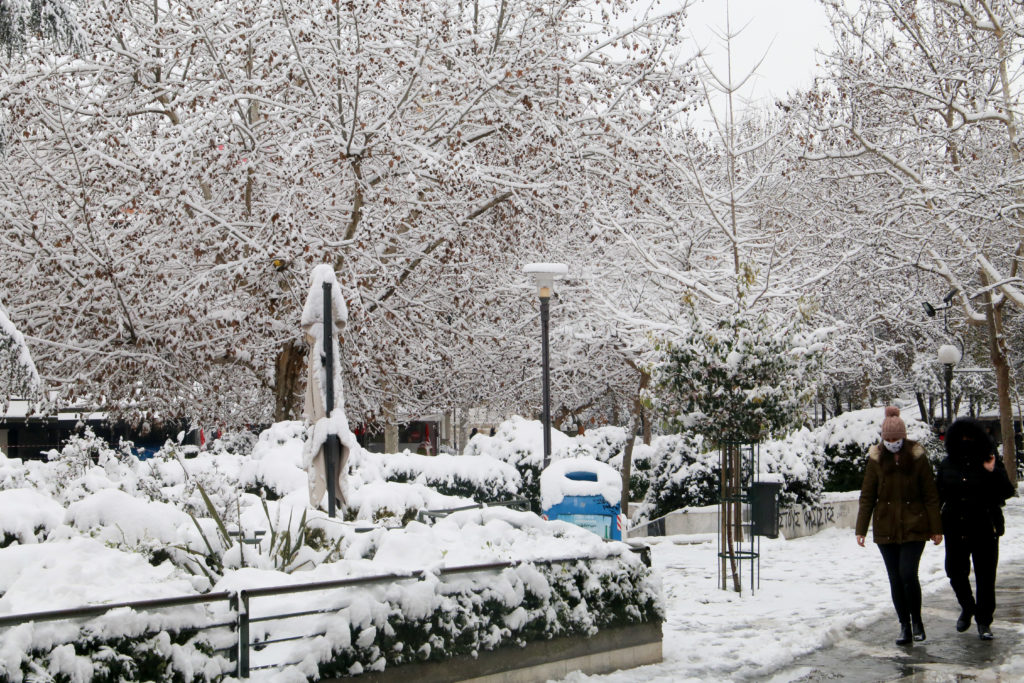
x: 869, y: 655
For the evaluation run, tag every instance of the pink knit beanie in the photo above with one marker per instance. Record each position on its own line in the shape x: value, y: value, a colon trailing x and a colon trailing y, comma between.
x: 893, y: 428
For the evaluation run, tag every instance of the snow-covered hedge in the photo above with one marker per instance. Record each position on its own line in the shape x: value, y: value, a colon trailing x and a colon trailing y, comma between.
x: 846, y: 438
x: 521, y: 604
x: 169, y: 526
x: 485, y: 480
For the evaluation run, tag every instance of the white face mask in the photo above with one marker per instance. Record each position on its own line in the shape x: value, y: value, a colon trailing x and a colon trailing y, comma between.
x: 893, y: 446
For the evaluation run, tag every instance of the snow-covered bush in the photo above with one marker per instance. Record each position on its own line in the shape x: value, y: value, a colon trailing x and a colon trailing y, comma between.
x: 800, y: 460
x: 519, y: 442
x: 483, y: 479
x: 522, y: 604
x: 684, y: 475
x: 603, y: 443
x: 845, y: 439
x: 169, y: 656
x: 27, y: 516
x: 171, y: 525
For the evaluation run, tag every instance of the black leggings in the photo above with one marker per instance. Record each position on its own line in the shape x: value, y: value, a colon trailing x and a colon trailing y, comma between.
x: 901, y: 561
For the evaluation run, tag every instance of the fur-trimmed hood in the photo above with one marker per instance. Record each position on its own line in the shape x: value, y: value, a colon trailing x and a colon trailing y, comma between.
x: 915, y: 449
x: 968, y: 441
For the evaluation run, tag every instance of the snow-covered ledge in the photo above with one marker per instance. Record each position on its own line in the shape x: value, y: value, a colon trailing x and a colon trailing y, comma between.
x: 835, y: 510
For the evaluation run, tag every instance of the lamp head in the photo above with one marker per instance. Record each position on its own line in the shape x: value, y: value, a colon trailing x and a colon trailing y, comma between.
x: 949, y: 354
x: 929, y: 310
x: 545, y: 274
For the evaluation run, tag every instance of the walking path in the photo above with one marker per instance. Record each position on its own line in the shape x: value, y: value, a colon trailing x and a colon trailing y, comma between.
x: 867, y: 655
x: 822, y: 612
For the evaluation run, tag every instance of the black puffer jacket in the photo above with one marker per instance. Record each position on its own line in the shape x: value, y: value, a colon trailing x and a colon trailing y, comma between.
x: 972, y: 497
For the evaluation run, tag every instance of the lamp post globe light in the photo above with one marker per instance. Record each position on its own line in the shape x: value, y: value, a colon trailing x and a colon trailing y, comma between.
x: 949, y: 356
x: 544, y: 275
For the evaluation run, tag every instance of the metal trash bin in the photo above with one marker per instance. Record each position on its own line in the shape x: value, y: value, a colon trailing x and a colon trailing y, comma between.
x: 764, y: 508
x: 580, y: 491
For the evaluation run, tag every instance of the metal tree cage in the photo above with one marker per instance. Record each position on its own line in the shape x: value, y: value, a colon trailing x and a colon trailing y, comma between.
x: 737, y: 542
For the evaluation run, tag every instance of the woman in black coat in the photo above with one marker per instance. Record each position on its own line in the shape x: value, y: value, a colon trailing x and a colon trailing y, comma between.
x: 973, y: 487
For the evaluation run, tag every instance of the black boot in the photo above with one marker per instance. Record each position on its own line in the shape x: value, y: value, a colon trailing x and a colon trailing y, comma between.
x: 964, y: 621
x: 905, y: 636
x: 918, y: 629
x: 985, y: 632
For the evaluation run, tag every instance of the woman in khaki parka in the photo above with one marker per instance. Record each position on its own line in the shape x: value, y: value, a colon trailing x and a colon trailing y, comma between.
x: 900, y: 500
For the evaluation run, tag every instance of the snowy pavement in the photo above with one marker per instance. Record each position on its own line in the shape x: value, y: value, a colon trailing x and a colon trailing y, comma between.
x: 815, y: 592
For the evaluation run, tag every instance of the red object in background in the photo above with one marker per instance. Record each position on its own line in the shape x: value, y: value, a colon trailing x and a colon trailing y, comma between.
x: 202, y: 437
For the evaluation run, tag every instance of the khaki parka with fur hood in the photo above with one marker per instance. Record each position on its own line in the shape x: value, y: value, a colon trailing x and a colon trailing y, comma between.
x: 899, y: 496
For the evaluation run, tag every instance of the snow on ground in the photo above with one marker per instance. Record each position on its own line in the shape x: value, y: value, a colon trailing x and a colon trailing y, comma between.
x: 812, y: 590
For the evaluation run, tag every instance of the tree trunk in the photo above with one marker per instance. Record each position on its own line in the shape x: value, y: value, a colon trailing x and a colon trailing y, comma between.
x: 390, y: 427
x: 287, y: 381
x: 996, y: 345
x: 730, y: 515
x: 636, y: 415
x: 627, y: 467
x: 920, y: 406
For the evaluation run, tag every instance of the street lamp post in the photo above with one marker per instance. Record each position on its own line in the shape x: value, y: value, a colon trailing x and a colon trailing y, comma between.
x: 949, y: 356
x: 544, y: 274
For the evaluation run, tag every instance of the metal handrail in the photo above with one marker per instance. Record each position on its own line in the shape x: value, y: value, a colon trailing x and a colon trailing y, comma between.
x: 511, y: 502
x: 239, y: 602
x: 97, y: 610
x: 400, y: 576
x: 244, y: 596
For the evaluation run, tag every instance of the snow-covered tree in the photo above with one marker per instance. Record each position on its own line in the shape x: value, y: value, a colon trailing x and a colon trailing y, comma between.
x: 166, y: 193
x: 919, y: 123
x: 18, y: 375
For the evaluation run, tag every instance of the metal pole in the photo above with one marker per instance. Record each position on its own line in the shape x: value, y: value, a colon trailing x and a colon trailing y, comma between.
x: 544, y: 302
x: 949, y: 395
x: 243, y: 635
x: 331, y: 444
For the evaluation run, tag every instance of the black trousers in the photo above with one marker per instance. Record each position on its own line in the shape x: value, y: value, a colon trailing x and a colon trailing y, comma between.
x: 901, y: 562
x: 985, y: 553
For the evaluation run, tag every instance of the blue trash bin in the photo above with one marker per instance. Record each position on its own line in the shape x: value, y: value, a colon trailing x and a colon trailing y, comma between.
x: 581, y: 491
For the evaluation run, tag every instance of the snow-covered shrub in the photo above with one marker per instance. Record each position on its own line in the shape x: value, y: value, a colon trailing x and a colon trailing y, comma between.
x: 641, y: 470
x: 274, y: 467
x: 799, y: 459
x: 739, y: 378
x: 519, y: 443
x: 845, y: 440
x: 396, y: 503
x: 603, y: 443
x: 684, y: 475
x: 27, y: 516
x: 483, y: 479
x: 523, y: 604
x: 165, y: 656
x: 239, y: 442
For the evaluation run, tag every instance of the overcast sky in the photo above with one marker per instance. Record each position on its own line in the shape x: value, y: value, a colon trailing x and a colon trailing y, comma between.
x: 784, y: 32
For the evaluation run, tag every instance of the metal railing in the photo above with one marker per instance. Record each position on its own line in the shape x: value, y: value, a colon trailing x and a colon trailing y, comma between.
x: 240, y: 604
x: 424, y: 515
x: 92, y: 611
